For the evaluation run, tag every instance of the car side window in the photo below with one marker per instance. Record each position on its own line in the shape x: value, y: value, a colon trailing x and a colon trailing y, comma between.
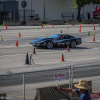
x: 66, y: 37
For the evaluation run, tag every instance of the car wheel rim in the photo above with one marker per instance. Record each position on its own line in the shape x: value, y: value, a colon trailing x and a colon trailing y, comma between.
x: 50, y: 45
x: 73, y: 44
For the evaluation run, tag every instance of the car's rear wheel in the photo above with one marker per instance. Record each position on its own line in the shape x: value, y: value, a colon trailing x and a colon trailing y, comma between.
x: 49, y: 45
x: 73, y: 44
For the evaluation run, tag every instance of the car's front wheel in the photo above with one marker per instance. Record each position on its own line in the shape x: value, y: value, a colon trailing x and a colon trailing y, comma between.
x: 49, y: 45
x: 73, y: 44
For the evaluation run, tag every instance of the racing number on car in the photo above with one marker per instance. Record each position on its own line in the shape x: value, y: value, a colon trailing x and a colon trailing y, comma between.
x: 67, y: 43
x: 61, y: 44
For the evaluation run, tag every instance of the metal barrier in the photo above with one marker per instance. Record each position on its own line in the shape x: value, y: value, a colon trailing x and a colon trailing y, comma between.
x: 40, y: 85
x: 73, y: 15
x: 13, y: 15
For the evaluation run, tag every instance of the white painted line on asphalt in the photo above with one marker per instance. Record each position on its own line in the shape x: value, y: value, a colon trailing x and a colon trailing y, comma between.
x: 36, y: 53
x: 41, y: 52
x: 92, y: 41
x: 12, y: 55
x: 14, y: 46
x: 54, y: 52
x: 68, y: 60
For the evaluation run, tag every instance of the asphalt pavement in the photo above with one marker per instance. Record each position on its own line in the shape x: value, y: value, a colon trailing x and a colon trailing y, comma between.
x: 12, y: 57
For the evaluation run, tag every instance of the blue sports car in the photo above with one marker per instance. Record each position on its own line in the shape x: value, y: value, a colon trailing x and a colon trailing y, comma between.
x: 57, y: 40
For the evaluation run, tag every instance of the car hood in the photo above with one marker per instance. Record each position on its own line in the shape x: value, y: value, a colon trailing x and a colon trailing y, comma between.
x: 42, y: 39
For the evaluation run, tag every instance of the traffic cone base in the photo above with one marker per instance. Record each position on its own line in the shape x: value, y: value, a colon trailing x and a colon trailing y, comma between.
x: 94, y: 28
x: 80, y: 26
x: 19, y: 34
x: 68, y: 48
x: 16, y: 43
x: 79, y: 29
x: 42, y: 25
x: 34, y: 51
x: 72, y: 24
x: 93, y: 38
x: 6, y: 26
x: 52, y: 25
x: 62, y: 59
x: 92, y: 23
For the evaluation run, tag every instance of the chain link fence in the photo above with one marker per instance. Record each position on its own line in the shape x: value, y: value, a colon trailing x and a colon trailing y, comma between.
x: 40, y: 85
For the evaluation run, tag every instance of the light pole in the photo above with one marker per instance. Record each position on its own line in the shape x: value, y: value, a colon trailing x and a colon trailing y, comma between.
x: 24, y: 4
x: 31, y: 7
x: 24, y: 13
x: 83, y: 12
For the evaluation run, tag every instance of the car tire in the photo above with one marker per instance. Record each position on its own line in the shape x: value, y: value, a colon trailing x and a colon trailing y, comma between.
x: 49, y: 45
x: 73, y: 44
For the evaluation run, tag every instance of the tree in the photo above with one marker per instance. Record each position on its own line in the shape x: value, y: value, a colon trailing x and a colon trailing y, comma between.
x: 80, y: 3
x: 96, y: 1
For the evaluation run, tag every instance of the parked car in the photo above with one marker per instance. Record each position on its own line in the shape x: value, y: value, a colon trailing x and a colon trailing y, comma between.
x: 57, y: 40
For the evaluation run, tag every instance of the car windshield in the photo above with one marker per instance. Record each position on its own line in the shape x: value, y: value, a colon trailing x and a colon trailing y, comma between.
x: 54, y: 36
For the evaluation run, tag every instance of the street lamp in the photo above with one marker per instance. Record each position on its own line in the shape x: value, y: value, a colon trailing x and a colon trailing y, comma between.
x: 24, y: 4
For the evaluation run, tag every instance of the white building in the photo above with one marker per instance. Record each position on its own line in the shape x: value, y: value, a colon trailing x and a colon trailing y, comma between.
x: 55, y: 9
x: 46, y: 10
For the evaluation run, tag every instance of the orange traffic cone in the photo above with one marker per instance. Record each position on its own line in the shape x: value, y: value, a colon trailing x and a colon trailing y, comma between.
x: 19, y: 34
x: 52, y: 25
x: 62, y: 59
x: 79, y: 29
x: 94, y: 28
x: 16, y: 43
x: 42, y: 25
x: 6, y: 26
x: 72, y: 24
x: 34, y: 51
x: 68, y: 48
x: 80, y: 26
x: 93, y: 38
x: 92, y: 23
x: 99, y: 24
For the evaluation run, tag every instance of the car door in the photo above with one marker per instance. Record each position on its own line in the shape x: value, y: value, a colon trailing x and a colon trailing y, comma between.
x: 63, y: 40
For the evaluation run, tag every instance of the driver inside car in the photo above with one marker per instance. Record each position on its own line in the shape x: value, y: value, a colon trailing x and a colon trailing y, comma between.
x: 62, y: 37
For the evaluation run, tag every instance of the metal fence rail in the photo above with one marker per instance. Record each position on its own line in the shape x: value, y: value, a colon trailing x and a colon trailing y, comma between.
x: 74, y: 15
x: 21, y: 15
x: 37, y: 85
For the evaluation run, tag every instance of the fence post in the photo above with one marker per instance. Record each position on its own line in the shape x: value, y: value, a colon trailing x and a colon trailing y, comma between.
x: 14, y: 15
x: 70, y: 80
x: 23, y: 86
x: 70, y: 77
x: 10, y: 14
